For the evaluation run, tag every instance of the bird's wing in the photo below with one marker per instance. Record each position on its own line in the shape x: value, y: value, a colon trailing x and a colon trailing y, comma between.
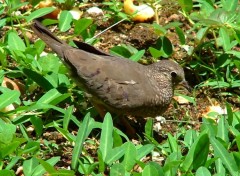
x: 116, y: 81
x: 89, y: 48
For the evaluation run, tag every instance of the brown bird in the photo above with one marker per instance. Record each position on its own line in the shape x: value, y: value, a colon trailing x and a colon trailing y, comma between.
x: 117, y: 84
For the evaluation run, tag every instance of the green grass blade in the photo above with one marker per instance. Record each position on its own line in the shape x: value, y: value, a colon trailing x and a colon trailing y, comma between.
x: 106, y: 139
x: 225, y: 156
x: 81, y: 136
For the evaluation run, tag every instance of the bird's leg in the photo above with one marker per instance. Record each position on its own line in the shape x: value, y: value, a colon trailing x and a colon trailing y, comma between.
x: 130, y: 131
x: 100, y: 109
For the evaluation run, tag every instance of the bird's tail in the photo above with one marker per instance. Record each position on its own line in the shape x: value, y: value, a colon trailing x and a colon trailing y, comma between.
x: 57, y: 45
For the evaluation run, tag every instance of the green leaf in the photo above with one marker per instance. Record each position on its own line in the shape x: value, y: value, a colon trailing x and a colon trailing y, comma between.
x: 7, y: 172
x: 181, y: 35
x: 203, y: 171
x: 230, y: 5
x: 117, y: 140
x: 223, y: 60
x: 81, y: 25
x: 39, y: 45
x: 8, y: 149
x: 114, y: 154
x: 149, y: 127
x: 223, y: 130
x: 150, y: 170
x: 39, y: 13
x: 106, y: 139
x: 217, y: 84
x: 29, y: 166
x: 198, y: 153
x: 65, y: 133
x: 3, y: 22
x: 202, y: 33
x: 210, y: 126
x: 65, y: 20
x: 234, y: 131
x: 225, y: 156
x: 32, y: 146
x: 14, y: 5
x: 172, y: 164
x: 38, y: 125
x: 24, y: 130
x: 130, y: 48
x: 47, y: 166
x: 221, y: 16
x: 7, y: 131
x: 229, y: 113
x: 220, y: 167
x: 9, y: 97
x: 65, y: 172
x: 3, y: 60
x: 15, y: 42
x: 236, y: 34
x: 189, y: 99
x: 144, y: 151
x: 173, y: 144
x: 159, y: 30
x: 63, y: 80
x: 39, y: 79
x: 235, y: 53
x: 120, y: 51
x: 224, y: 34
x: 163, y: 48
x: 49, y: 96
x: 101, y: 166
x: 137, y: 56
x: 84, y: 165
x: 40, y: 170
x: 52, y: 79
x: 49, y: 63
x: 190, y: 137
x: 159, y: 43
x: 157, y: 166
x: 59, y: 99
x: 34, y: 107
x: 81, y: 136
x: 156, y: 53
x: 117, y: 170
x: 13, y: 161
x: 237, y: 157
x: 172, y: 25
x: 167, y: 46
x: 237, y: 62
x: 67, y: 117
x: 130, y: 156
x: 186, y: 5
x: 207, y: 7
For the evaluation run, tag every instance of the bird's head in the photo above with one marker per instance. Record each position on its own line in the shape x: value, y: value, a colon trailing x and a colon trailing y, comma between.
x: 174, y: 71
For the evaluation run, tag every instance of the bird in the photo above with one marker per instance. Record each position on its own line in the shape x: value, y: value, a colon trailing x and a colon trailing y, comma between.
x: 116, y: 84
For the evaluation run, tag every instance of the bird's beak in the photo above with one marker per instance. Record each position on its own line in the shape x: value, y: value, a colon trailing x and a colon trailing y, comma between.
x: 185, y: 84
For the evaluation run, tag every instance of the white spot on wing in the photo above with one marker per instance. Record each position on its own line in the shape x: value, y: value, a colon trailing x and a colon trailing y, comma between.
x: 130, y: 82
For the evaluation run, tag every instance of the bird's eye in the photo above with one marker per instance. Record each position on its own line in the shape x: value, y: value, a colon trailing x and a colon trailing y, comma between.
x: 174, y: 74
